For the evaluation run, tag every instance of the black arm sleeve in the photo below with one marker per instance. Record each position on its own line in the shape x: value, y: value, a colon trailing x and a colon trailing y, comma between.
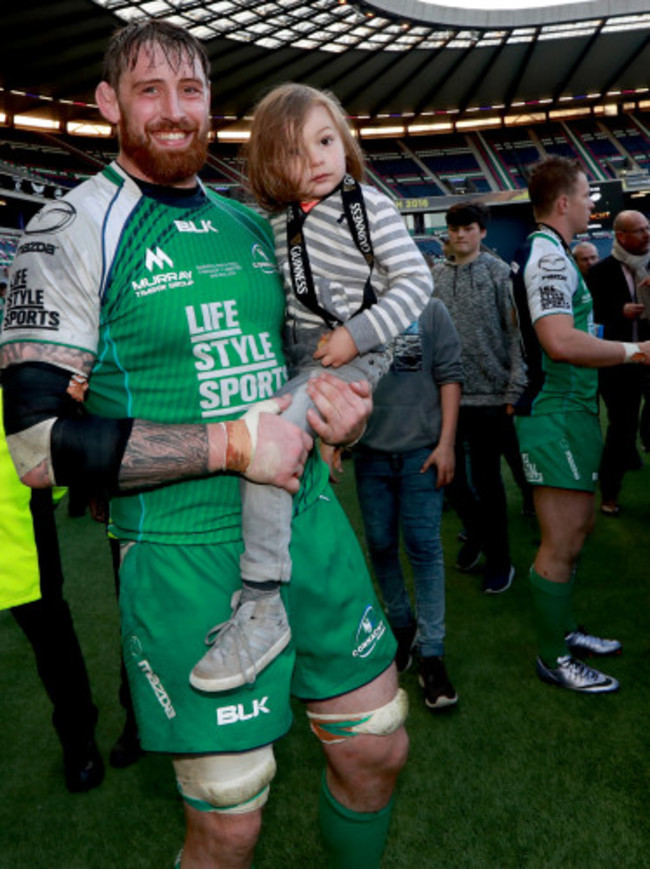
x: 85, y: 448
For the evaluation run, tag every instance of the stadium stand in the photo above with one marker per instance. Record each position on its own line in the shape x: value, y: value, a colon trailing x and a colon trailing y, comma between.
x: 515, y: 150
x: 398, y: 169
x: 62, y: 159
x: 633, y: 134
x: 601, y: 144
x: 8, y: 245
x: 454, y: 160
x: 424, y: 166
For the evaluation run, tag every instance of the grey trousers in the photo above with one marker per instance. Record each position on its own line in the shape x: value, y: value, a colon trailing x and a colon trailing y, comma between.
x: 267, y: 510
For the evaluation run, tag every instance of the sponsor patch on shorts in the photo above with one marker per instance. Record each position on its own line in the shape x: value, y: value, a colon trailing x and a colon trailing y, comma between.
x: 372, y: 628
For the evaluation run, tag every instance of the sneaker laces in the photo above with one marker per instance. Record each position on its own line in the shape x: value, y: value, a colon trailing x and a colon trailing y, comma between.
x: 579, y: 668
x: 240, y: 643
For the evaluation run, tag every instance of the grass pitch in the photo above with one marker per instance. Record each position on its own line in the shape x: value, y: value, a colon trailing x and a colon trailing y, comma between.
x: 520, y: 774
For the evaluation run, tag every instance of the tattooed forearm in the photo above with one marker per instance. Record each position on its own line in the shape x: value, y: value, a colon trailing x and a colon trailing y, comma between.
x: 155, y: 454
x: 158, y: 454
x: 79, y: 361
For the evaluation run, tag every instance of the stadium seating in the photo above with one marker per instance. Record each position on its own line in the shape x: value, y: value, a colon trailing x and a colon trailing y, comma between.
x: 423, y: 166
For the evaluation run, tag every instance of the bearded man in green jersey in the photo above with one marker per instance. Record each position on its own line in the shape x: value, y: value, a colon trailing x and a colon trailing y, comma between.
x: 159, y: 303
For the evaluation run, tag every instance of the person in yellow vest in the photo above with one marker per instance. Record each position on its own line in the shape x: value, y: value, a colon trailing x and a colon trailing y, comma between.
x: 31, y: 586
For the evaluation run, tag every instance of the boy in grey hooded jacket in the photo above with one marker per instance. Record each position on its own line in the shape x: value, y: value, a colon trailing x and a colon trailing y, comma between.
x: 475, y: 287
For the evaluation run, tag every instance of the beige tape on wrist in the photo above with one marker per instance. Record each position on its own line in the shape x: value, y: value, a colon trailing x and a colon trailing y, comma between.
x: 239, y: 447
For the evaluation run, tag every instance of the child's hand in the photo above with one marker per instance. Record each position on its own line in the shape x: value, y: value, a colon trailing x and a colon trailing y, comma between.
x: 333, y: 458
x: 336, y: 348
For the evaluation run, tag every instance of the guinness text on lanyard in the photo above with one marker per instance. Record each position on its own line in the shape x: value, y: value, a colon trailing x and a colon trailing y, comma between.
x: 302, y: 279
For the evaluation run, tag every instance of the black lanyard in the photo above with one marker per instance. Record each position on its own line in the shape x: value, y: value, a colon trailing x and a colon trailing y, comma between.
x: 302, y: 279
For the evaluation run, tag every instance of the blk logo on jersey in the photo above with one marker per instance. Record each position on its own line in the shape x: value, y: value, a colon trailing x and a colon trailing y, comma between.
x: 191, y: 226
x: 242, y: 712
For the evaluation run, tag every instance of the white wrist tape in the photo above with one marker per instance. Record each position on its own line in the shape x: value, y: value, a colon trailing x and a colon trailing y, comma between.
x: 30, y: 447
x: 632, y: 352
x: 241, y: 437
x: 250, y: 418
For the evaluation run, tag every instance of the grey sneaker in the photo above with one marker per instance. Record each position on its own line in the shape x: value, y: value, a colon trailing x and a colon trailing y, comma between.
x: 576, y: 676
x: 256, y: 632
x: 584, y: 645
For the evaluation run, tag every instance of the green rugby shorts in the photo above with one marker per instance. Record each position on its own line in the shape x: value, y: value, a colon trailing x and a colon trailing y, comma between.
x: 561, y: 450
x: 170, y: 597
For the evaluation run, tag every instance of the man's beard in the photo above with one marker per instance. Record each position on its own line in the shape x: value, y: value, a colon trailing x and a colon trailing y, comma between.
x: 161, y: 166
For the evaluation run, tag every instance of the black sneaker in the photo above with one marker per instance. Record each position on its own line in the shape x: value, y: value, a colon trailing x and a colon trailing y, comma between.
x: 439, y: 693
x: 496, y: 581
x: 468, y: 556
x: 405, y: 638
x: 127, y: 749
x: 584, y: 645
x: 83, y: 766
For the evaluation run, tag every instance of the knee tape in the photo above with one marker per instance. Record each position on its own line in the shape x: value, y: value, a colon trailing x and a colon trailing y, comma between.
x: 338, y: 727
x: 227, y: 783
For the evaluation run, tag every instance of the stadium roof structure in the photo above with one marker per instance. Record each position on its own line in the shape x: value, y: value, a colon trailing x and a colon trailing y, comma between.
x: 392, y: 63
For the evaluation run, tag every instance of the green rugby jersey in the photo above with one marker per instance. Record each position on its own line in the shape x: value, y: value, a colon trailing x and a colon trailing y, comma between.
x: 177, y: 295
x: 546, y: 281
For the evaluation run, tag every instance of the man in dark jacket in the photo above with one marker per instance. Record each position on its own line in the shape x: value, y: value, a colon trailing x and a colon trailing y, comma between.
x: 615, y: 284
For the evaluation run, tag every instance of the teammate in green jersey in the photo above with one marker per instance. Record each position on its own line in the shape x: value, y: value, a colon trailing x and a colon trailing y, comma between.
x: 560, y: 439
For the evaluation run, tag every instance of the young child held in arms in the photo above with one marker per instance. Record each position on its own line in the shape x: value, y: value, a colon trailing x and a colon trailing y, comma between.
x: 353, y: 279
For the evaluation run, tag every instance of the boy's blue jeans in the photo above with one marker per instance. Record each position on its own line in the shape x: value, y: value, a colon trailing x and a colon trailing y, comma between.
x: 393, y: 494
